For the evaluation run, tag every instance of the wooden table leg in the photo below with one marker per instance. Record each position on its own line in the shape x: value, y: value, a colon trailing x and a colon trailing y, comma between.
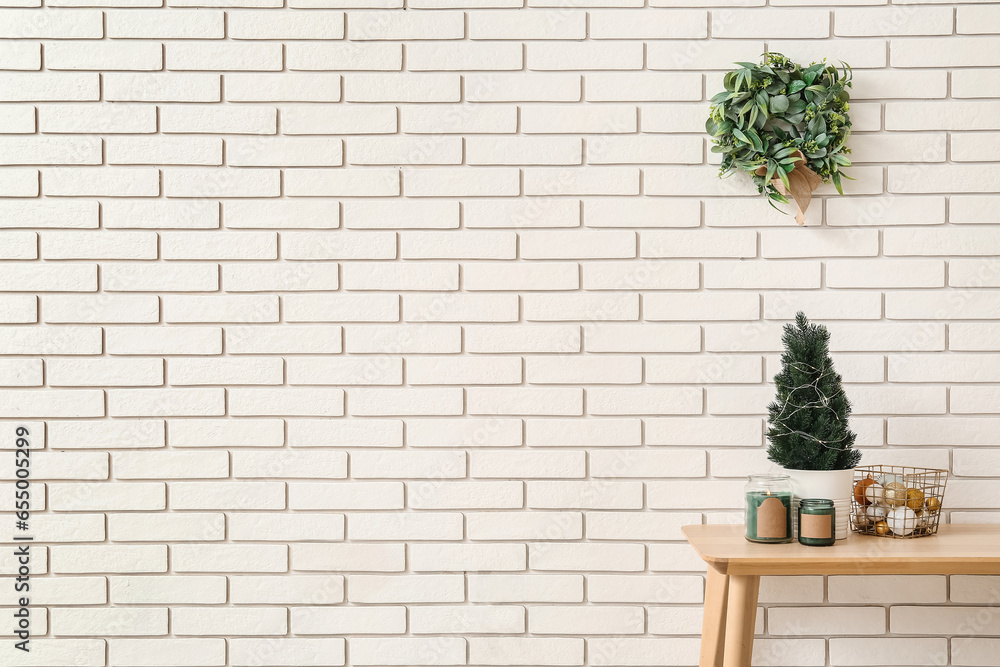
x: 713, y: 629
x: 740, y: 619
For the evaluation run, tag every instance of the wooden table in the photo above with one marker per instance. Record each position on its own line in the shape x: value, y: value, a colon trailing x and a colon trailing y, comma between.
x: 736, y: 565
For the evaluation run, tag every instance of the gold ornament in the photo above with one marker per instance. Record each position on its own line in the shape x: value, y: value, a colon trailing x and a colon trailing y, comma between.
x: 914, y: 499
x: 881, y: 528
x: 894, y: 494
x: 933, y: 504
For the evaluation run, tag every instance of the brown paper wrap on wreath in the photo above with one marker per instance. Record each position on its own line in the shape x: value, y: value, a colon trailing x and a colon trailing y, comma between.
x: 802, y: 180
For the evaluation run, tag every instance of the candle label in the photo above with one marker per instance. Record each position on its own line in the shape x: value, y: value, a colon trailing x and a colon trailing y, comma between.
x: 772, y: 519
x: 816, y: 526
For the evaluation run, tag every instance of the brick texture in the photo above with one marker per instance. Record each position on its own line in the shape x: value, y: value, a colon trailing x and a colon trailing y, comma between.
x: 388, y: 332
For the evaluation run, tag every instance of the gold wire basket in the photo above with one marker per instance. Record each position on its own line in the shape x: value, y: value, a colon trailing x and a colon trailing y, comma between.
x: 897, y: 501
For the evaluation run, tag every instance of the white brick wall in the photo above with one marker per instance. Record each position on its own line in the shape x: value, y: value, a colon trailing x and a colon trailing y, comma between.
x: 386, y: 332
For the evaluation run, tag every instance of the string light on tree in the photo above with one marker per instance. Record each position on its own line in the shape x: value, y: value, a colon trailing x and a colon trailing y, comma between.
x: 808, y: 422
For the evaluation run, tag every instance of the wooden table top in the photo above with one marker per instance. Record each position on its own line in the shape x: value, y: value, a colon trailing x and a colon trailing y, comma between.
x: 956, y: 549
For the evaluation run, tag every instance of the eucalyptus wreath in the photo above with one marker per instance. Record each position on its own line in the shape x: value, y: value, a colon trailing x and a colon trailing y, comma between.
x: 769, y: 112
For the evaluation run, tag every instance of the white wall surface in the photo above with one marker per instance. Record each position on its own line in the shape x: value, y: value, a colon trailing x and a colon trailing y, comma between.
x: 374, y: 335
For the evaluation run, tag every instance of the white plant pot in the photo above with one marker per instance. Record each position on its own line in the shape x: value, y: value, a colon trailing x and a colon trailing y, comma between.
x: 835, y: 485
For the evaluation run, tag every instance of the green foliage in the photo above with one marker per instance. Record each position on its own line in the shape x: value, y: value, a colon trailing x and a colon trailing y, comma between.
x: 808, y: 423
x: 770, y: 110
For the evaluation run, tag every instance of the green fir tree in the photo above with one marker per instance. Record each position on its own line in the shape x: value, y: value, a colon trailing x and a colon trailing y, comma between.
x: 808, y: 423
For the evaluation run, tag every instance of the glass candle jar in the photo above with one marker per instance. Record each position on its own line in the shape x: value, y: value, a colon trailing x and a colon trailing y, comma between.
x: 817, y: 518
x: 769, y: 509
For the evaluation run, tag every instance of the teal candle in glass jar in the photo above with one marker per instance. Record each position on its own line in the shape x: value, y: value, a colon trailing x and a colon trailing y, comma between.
x: 817, y: 519
x: 769, y: 509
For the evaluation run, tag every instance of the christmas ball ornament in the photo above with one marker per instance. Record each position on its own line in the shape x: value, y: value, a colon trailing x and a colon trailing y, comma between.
x: 933, y: 504
x: 888, y: 478
x: 860, y: 519
x: 873, y: 494
x: 859, y: 491
x: 902, y: 521
x: 875, y: 513
x: 915, y: 499
x: 881, y: 528
x: 894, y: 494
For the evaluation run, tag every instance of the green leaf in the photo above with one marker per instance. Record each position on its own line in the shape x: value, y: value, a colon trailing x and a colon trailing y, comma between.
x: 810, y: 73
x: 739, y: 135
x: 784, y: 179
x: 747, y: 77
x: 796, y: 86
x: 816, y: 126
x: 777, y: 197
x: 771, y: 167
x: 836, y: 182
x: 779, y: 104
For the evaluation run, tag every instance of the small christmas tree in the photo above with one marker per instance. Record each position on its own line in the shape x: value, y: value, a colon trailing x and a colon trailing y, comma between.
x: 808, y: 427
